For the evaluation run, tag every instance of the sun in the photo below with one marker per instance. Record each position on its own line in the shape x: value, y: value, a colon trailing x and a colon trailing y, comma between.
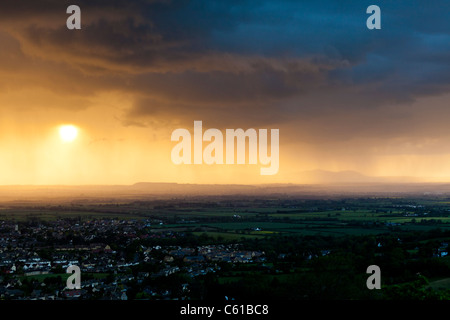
x: 68, y: 132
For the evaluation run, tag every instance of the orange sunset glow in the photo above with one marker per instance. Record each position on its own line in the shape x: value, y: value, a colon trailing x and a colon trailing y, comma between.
x: 98, y: 105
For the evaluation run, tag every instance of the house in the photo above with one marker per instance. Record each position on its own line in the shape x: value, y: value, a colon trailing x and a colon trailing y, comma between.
x: 194, y: 259
x: 73, y: 294
x: 14, y: 293
x: 168, y: 259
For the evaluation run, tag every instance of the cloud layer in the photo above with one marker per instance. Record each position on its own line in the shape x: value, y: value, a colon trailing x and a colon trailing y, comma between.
x: 311, y: 68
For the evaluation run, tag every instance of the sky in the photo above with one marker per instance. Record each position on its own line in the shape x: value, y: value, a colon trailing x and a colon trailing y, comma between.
x: 344, y: 98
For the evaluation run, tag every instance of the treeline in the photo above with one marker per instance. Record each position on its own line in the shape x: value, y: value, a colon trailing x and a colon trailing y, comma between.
x: 335, y: 268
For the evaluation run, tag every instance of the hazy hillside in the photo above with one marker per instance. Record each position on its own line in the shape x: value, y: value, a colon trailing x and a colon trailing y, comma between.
x: 329, y: 177
x: 344, y: 184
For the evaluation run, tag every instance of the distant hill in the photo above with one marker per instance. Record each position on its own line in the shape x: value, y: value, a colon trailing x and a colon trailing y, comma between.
x: 316, y: 183
x: 330, y: 177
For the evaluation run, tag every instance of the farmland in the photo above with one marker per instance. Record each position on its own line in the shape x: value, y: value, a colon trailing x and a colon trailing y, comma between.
x: 259, y: 217
x: 304, y: 244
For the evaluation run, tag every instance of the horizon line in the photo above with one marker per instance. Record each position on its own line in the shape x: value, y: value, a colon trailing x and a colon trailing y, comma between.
x: 231, y: 184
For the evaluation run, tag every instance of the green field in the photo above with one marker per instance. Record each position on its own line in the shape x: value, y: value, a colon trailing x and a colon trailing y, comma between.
x: 257, y: 219
x: 440, y: 284
x: 231, y: 236
x: 46, y: 215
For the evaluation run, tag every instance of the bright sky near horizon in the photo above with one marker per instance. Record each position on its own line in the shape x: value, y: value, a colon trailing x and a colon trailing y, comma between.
x: 343, y: 97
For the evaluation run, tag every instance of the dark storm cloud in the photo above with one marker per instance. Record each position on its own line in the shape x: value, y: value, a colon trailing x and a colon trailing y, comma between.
x: 268, y: 61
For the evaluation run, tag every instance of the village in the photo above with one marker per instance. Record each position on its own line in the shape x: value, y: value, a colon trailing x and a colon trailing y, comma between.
x: 115, y: 257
